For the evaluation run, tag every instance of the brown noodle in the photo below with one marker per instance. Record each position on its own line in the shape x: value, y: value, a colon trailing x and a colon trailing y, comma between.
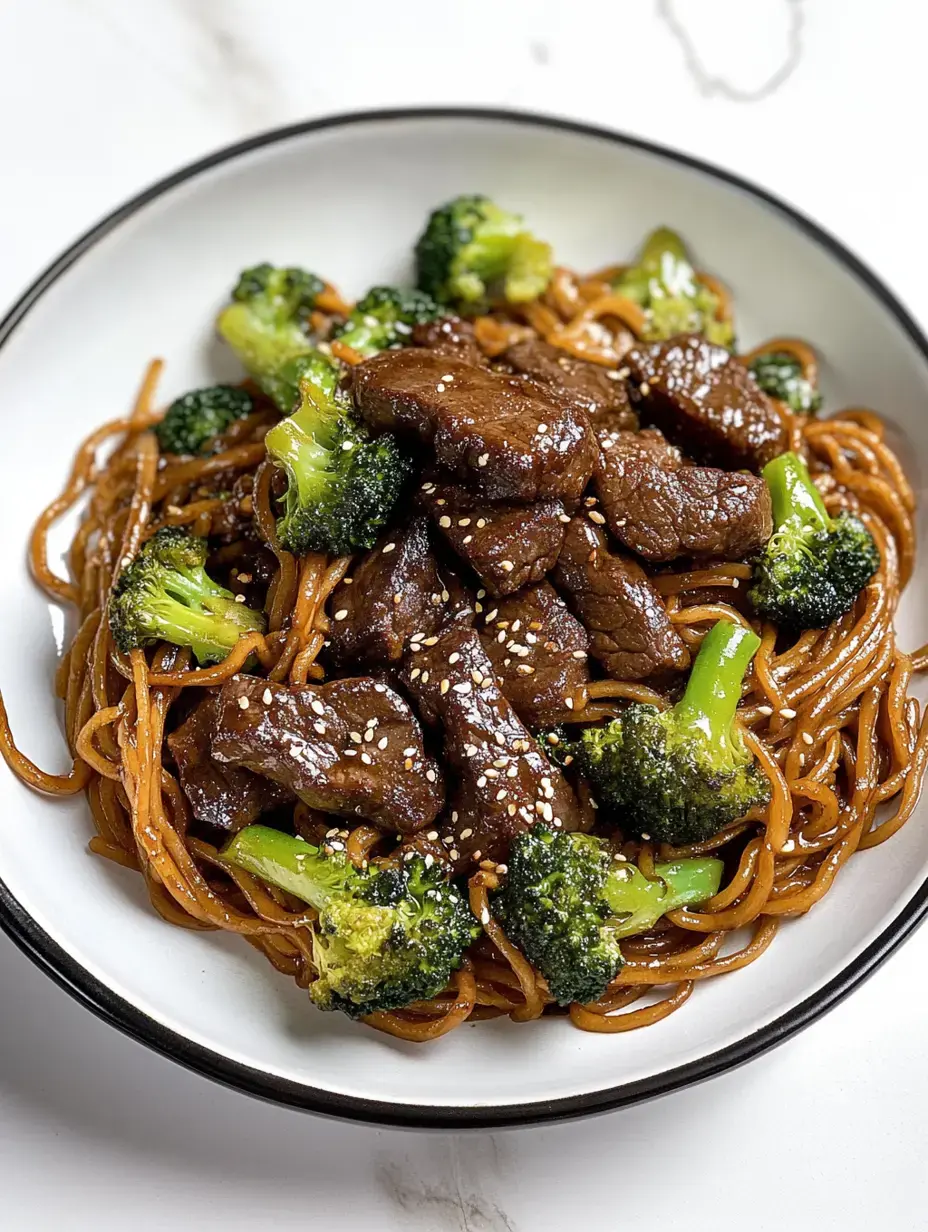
x: 828, y: 714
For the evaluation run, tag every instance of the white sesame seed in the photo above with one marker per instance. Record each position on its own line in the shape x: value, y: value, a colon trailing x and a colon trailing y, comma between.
x: 319, y: 726
x: 445, y: 685
x: 765, y: 710
x: 483, y: 459
x: 595, y: 516
x: 415, y: 673
x: 563, y: 517
x: 432, y: 834
x: 646, y: 837
x: 482, y: 781
x: 425, y: 677
x: 645, y: 388
x: 449, y: 376
x: 267, y: 697
x: 341, y: 613
x: 735, y: 583
x: 316, y: 706
x: 502, y: 869
x: 466, y: 833
x: 463, y: 687
x: 485, y: 916
x: 243, y: 703
x: 481, y: 523
x: 506, y: 565
x: 454, y: 854
x: 502, y: 794
x: 383, y: 742
x: 430, y: 641
x: 388, y: 548
x: 542, y: 429
x: 463, y: 521
x: 429, y: 860
x: 787, y: 713
x: 239, y: 598
x: 295, y: 750
x: 578, y: 654
x: 431, y: 775
x: 569, y: 703
x: 440, y: 387
x: 808, y: 738
x: 366, y: 758
x: 355, y: 736
x: 349, y: 752
x: 444, y: 521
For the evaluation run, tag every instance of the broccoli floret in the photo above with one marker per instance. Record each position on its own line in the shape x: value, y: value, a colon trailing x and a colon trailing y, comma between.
x: 814, y: 566
x: 266, y: 326
x: 384, y: 318
x: 680, y: 775
x: 384, y: 937
x: 166, y: 595
x: 341, y: 485
x: 567, y: 902
x: 471, y: 251
x: 780, y: 375
x: 193, y: 420
x: 665, y: 285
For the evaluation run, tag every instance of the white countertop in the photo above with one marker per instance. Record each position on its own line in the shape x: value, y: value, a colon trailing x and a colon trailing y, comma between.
x: 815, y: 99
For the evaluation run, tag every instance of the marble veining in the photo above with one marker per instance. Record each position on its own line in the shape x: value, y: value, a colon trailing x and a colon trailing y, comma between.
x: 686, y: 21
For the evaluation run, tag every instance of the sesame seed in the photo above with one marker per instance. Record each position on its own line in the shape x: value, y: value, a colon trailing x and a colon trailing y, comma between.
x: 444, y: 521
x: 243, y: 703
x: 481, y: 523
x: 316, y: 706
x: 765, y: 710
x: 542, y: 429
x: 432, y: 834
x: 415, y: 673
x: 506, y: 565
x: 553, y: 739
x: 645, y: 388
x: 431, y: 775
x: 470, y: 750
x: 547, y: 811
x: 428, y: 487
x: 441, y: 502
x: 483, y: 459
x: 332, y: 833
x: 445, y: 685
x: 454, y: 815
x: 623, y: 374
x: 463, y: 521
x: 476, y: 677
x: 578, y: 654
x: 511, y: 810
x: 430, y: 641
x: 429, y: 860
x: 563, y: 517
x: 482, y: 781
x: 239, y: 598
x: 369, y: 736
x: 454, y: 853
x: 468, y: 539
x: 267, y: 697
x: 463, y: 687
x: 492, y: 773
x: 512, y: 772
x: 502, y: 794
x: 569, y: 703
x: 366, y: 758
x: 407, y: 764
x: 807, y: 738
x: 485, y: 916
x: 355, y: 736
x: 735, y: 583
x: 383, y: 742
x: 319, y: 726
x: 595, y: 516
x: 787, y: 713
x: 477, y: 855
x: 440, y: 387
x: 425, y: 677
x: 531, y: 638
x: 449, y: 376
x: 466, y: 833
x: 500, y: 739
x: 388, y: 547
x: 526, y: 669
x: 501, y: 762
x: 481, y: 594
x: 646, y: 837
x: 349, y: 752
x: 341, y: 613
x: 417, y: 637
x: 502, y: 869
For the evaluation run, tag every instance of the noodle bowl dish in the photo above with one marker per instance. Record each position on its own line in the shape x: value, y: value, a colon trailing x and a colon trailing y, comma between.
x: 480, y: 616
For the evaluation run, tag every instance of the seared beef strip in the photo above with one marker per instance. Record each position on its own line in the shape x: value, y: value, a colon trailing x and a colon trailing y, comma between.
x: 223, y: 796
x: 598, y: 391
x: 451, y: 337
x: 630, y: 631
x: 663, y: 510
x: 506, y: 436
x: 352, y: 747
x: 707, y: 402
x: 507, y: 546
x: 503, y: 782
x: 538, y: 649
x: 393, y: 592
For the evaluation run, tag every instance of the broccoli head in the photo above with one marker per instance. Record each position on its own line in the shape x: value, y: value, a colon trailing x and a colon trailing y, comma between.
x: 471, y: 252
x: 384, y: 937
x: 675, y: 300
x: 191, y: 422
x: 341, y: 484
x: 166, y: 595
x: 266, y: 325
x: 567, y: 902
x: 780, y: 375
x: 680, y: 775
x: 814, y: 566
x: 384, y: 318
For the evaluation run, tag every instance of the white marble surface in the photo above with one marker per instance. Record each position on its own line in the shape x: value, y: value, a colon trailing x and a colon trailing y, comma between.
x: 816, y: 99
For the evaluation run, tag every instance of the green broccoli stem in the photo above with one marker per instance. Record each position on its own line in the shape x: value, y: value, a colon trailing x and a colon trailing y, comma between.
x: 796, y: 500
x: 713, y: 690
x: 211, y: 634
x: 638, y: 902
x: 289, y: 863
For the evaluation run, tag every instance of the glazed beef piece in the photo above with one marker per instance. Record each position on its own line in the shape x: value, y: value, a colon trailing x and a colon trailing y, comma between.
x: 600, y: 392
x: 451, y: 337
x: 394, y: 591
x: 630, y: 631
x: 505, y: 436
x: 507, y: 546
x: 503, y: 782
x: 707, y: 402
x: 226, y: 797
x: 662, y: 510
x: 538, y: 649
x: 352, y: 747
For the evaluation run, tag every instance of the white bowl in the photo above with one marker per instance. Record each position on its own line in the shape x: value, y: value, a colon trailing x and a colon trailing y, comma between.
x: 346, y: 196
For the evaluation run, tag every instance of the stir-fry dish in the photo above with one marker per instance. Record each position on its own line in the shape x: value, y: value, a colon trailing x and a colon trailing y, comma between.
x: 507, y: 644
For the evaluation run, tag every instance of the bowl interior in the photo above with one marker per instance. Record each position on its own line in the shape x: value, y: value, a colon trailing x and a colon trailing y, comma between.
x: 348, y: 201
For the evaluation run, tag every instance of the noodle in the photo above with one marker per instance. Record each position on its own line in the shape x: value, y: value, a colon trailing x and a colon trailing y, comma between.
x: 826, y: 713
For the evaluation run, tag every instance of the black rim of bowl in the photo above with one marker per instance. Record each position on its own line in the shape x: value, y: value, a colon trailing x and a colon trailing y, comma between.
x: 103, y: 1002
